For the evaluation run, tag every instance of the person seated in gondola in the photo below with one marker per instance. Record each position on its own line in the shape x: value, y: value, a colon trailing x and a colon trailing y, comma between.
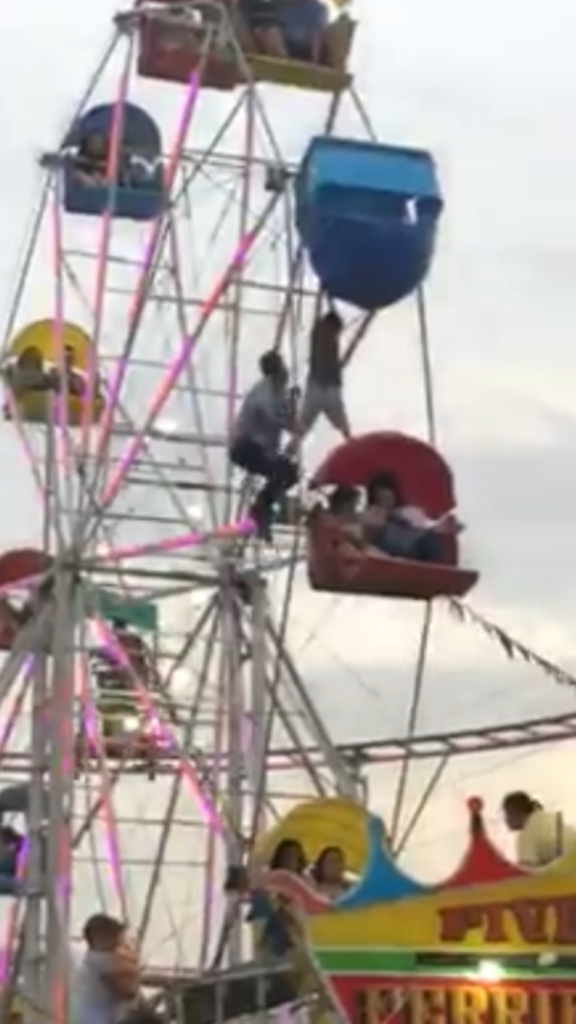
x: 29, y: 373
x: 265, y: 414
x: 324, y: 394
x: 91, y: 161
x: 140, y: 170
x: 11, y: 849
x: 401, y: 531
x: 341, y: 516
x: 74, y: 379
x: 274, y: 914
x: 310, y: 37
x: 328, y: 873
x: 136, y: 651
x: 258, y: 24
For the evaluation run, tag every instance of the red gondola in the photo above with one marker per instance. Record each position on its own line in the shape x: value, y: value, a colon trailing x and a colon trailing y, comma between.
x: 171, y: 47
x: 10, y: 624
x: 426, y: 482
x: 22, y: 564
x: 16, y: 567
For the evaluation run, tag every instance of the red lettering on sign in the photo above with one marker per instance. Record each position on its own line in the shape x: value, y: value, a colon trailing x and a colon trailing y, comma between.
x: 534, y: 922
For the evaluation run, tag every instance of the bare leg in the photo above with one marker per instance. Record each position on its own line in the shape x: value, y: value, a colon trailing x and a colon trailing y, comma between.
x: 338, y: 41
x: 271, y: 43
x: 317, y: 43
x: 334, y: 408
x: 242, y: 32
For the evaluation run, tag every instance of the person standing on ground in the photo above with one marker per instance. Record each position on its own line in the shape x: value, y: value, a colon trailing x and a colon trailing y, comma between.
x: 265, y: 414
x: 107, y: 987
x: 323, y: 393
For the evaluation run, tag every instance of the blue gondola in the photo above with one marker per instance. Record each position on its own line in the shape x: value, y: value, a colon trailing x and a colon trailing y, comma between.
x: 367, y: 215
x: 139, y: 193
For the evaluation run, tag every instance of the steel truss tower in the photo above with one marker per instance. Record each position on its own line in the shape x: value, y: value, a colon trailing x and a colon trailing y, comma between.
x: 113, y: 500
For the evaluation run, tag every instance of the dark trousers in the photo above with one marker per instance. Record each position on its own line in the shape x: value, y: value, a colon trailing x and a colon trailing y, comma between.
x: 405, y: 541
x: 430, y: 547
x: 279, y: 472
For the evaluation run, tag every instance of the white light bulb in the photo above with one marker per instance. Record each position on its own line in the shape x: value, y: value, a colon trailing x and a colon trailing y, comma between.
x: 489, y: 971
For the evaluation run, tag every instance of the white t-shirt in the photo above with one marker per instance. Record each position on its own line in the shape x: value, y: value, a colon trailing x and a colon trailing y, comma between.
x: 415, y: 517
x: 93, y: 1002
x: 544, y: 838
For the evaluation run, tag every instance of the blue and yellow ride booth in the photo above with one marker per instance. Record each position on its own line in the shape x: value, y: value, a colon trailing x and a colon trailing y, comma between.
x: 316, y: 41
x: 425, y: 482
x: 491, y: 944
x: 32, y: 375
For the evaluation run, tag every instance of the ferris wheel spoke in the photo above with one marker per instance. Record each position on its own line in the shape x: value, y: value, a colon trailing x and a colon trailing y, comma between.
x: 345, y: 783
x: 196, y: 408
x: 90, y: 733
x: 103, y: 251
x: 421, y: 805
x: 210, y: 618
x: 413, y: 716
x: 256, y: 643
x: 152, y: 254
x: 202, y: 799
x: 114, y: 482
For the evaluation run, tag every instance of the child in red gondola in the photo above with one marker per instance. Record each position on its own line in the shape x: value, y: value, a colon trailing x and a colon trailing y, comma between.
x: 403, y: 531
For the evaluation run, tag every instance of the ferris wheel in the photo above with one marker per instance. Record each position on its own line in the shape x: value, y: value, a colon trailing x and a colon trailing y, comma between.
x: 201, y: 207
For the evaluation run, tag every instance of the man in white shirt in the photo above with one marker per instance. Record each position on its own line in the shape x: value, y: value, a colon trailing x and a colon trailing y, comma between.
x: 107, y: 982
x: 541, y: 836
x: 264, y: 415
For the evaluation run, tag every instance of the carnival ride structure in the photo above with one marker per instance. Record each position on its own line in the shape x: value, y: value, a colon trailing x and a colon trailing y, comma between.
x: 106, y: 386
x: 491, y: 941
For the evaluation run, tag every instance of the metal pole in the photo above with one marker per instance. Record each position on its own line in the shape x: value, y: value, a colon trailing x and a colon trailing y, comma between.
x: 61, y: 786
x: 33, y: 945
x: 188, y: 739
x: 33, y: 958
x: 233, y: 688
x: 345, y: 784
x: 257, y: 760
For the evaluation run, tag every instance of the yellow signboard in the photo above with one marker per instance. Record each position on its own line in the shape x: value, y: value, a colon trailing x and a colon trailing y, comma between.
x: 493, y: 944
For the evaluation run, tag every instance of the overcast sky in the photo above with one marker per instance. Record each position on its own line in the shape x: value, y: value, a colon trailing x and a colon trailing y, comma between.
x: 490, y: 89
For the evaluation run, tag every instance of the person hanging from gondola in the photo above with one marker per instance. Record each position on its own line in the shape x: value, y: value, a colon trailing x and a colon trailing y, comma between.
x: 265, y: 414
x: 324, y: 391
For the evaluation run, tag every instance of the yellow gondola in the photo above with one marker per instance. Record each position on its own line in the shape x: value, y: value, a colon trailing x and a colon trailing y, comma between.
x: 316, y: 825
x: 32, y: 372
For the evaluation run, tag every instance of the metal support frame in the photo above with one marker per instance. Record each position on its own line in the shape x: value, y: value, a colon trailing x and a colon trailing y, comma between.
x: 247, y: 684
